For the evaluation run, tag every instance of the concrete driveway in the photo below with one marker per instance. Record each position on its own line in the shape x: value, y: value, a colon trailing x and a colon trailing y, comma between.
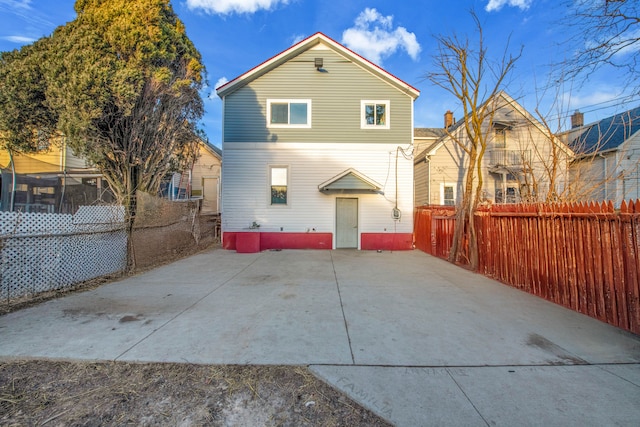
x: 417, y: 340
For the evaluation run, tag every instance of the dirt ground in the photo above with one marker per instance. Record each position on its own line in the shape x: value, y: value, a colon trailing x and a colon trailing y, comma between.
x: 61, y: 393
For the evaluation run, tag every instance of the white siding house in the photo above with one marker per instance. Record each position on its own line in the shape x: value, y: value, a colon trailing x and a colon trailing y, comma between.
x: 607, y: 162
x: 317, y: 153
x: 523, y: 162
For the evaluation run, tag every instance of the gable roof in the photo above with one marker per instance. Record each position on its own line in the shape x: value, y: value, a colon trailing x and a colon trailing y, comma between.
x: 305, y: 45
x: 429, y: 132
x: 498, y: 121
x: 607, y: 134
x: 350, y: 181
x: 215, y: 151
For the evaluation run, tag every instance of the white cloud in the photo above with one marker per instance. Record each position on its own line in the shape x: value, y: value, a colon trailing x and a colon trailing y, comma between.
x: 220, y: 82
x: 297, y: 38
x: 374, y: 37
x: 19, y: 39
x: 495, y: 5
x: 225, y: 7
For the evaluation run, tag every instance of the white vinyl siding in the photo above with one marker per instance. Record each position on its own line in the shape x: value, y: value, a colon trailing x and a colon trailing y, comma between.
x: 310, y: 165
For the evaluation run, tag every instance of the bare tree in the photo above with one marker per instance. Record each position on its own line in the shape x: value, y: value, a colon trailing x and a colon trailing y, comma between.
x: 604, y: 33
x: 467, y: 72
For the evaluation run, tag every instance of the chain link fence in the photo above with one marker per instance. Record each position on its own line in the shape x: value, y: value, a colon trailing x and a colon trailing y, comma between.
x: 43, y: 252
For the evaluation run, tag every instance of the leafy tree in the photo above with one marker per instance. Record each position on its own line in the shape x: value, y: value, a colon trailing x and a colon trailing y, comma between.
x: 25, y: 118
x: 468, y: 73
x: 121, y: 82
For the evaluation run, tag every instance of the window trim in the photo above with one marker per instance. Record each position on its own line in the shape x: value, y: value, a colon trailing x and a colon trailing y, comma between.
x: 455, y: 192
x: 269, y: 185
x: 288, y: 101
x: 363, y: 119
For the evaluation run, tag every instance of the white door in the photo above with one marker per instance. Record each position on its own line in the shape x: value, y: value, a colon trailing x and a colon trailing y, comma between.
x: 346, y: 223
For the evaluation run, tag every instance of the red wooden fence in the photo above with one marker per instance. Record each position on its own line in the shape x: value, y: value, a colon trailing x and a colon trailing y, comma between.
x: 583, y: 256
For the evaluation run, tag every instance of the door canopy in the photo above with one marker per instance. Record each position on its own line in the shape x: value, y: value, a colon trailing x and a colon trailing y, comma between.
x: 350, y: 182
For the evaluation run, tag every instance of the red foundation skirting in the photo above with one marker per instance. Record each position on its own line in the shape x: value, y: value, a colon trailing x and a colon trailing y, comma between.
x: 245, y: 242
x: 386, y: 241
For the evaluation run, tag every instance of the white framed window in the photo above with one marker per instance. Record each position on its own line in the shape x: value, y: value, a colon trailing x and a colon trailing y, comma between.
x: 375, y: 114
x: 448, y: 193
x: 279, y: 185
x: 508, y: 194
x: 289, y: 113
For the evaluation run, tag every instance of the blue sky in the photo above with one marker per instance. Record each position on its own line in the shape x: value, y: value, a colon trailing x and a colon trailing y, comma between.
x: 233, y: 36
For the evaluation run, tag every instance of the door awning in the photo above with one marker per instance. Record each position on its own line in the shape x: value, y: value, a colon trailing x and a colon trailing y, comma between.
x: 350, y: 181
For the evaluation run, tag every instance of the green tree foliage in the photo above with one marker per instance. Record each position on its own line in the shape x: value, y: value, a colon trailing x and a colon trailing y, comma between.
x: 121, y: 82
x: 125, y: 78
x: 25, y: 117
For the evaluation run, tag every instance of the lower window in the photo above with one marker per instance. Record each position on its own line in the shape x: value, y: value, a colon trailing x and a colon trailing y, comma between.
x: 279, y: 178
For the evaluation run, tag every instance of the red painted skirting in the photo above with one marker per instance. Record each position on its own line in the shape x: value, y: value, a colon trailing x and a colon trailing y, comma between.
x: 386, y: 241
x: 249, y: 242
x: 236, y: 241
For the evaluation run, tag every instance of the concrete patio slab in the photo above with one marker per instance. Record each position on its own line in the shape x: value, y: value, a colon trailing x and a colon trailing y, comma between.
x: 414, y: 338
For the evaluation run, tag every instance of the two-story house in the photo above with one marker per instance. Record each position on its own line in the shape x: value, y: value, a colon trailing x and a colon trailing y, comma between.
x: 523, y: 160
x: 607, y: 162
x: 317, y: 153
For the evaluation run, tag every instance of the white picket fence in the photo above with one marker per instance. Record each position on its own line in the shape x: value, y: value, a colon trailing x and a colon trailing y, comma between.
x: 45, y: 252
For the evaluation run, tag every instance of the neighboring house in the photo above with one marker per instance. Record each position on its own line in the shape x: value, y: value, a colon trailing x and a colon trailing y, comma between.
x: 523, y: 161
x: 424, y: 138
x: 201, y: 180
x: 316, y: 152
x: 607, y: 163
x: 205, y: 178
x: 52, y: 180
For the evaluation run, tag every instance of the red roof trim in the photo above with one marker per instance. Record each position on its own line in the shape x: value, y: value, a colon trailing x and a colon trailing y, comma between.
x: 305, y: 41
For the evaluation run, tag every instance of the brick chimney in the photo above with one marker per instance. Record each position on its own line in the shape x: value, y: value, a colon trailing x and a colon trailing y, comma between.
x: 577, y: 119
x: 448, y: 119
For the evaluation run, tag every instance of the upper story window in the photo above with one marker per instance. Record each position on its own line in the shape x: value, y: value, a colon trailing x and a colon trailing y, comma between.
x: 289, y: 113
x: 374, y: 115
x: 500, y: 130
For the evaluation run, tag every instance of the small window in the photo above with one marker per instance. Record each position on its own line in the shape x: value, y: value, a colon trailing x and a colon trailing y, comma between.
x: 510, y: 194
x: 294, y: 113
x: 375, y: 115
x: 500, y: 140
x: 279, y: 178
x: 447, y: 194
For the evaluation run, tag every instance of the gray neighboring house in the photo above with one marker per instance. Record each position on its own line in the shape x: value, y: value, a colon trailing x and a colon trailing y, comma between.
x: 607, y: 162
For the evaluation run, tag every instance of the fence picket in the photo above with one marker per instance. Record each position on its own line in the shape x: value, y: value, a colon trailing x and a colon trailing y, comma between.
x: 584, y: 256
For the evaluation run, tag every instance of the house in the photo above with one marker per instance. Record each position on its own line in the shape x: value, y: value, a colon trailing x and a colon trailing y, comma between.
x: 424, y: 138
x: 317, y: 153
x: 205, y: 178
x: 607, y: 162
x: 201, y: 180
x: 523, y: 162
x: 52, y: 180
